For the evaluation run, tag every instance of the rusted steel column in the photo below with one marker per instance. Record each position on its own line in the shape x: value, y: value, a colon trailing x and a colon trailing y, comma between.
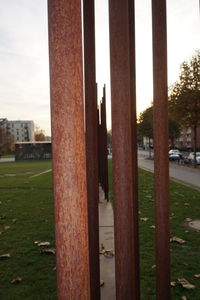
x: 69, y: 163
x: 122, y: 57
x: 91, y: 146
x: 104, y: 145
x: 161, y: 160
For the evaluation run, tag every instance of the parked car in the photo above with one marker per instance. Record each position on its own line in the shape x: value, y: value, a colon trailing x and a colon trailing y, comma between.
x: 175, y: 154
x: 190, y: 158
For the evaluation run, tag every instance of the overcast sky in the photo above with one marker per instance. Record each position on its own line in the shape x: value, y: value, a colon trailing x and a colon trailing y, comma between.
x: 24, y: 74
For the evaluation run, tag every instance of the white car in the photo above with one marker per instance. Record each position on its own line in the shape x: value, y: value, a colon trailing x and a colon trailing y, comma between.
x: 174, y: 154
x: 190, y: 158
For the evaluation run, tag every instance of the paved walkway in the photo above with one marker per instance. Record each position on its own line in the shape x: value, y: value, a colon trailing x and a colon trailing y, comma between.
x: 106, y: 236
x: 183, y: 174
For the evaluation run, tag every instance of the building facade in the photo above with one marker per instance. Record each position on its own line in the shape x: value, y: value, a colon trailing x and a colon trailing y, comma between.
x: 186, y: 139
x: 22, y: 131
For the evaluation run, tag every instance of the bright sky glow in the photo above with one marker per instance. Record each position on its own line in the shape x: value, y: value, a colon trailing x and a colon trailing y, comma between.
x: 24, y: 74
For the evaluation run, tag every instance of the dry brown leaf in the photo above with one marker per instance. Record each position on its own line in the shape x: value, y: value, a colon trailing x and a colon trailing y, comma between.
x: 153, y: 226
x: 40, y: 244
x: 1, y: 232
x: 144, y: 219
x: 187, y: 204
x: 5, y: 256
x: 188, y: 220
x: 177, y: 239
x: 173, y: 283
x: 102, y: 249
x: 2, y: 217
x: 148, y: 196
x: 183, y: 298
x: 197, y: 275
x: 153, y: 267
x: 185, y: 284
x: 6, y: 227
x: 108, y: 253
x: 14, y: 220
x: 48, y: 251
x: 16, y: 280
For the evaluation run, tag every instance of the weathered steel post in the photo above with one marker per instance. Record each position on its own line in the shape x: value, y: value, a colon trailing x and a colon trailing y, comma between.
x: 122, y: 57
x: 161, y: 160
x: 91, y: 146
x: 69, y: 163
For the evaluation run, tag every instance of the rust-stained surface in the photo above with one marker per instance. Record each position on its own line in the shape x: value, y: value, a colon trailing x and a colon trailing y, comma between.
x: 91, y: 146
x: 69, y: 163
x: 122, y: 55
x: 161, y: 149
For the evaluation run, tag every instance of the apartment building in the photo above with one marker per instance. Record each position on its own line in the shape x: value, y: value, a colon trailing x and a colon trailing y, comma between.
x: 22, y: 131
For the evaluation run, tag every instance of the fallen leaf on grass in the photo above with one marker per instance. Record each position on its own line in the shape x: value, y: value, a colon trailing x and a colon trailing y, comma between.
x: 187, y: 204
x: 177, y: 239
x: 40, y: 244
x: 153, y: 226
x: 188, y: 220
x: 5, y: 256
x: 153, y: 267
x: 185, y: 284
x: 144, y: 219
x: 36, y: 242
x: 148, y: 196
x: 48, y: 251
x: 183, y: 298
x: 16, y: 280
x: 2, y: 217
x: 6, y: 227
x: 197, y: 275
x: 102, y: 282
x: 1, y: 232
x: 14, y: 220
x: 173, y: 283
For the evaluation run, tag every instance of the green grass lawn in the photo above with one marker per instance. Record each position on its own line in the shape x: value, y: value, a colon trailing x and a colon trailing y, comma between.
x: 26, y: 216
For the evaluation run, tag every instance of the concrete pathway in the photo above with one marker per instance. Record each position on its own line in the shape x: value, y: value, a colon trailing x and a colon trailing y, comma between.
x: 183, y: 174
x: 106, y: 237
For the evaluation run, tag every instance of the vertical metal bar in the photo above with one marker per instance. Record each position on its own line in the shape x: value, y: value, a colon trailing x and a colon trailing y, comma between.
x: 161, y: 148
x: 122, y: 57
x: 69, y: 165
x: 91, y: 146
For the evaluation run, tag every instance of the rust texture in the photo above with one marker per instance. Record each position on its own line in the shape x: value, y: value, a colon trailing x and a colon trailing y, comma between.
x: 91, y: 146
x: 161, y: 149
x: 69, y: 162
x: 122, y: 57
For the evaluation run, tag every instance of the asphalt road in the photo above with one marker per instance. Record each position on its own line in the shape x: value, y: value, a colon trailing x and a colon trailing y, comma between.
x: 184, y: 174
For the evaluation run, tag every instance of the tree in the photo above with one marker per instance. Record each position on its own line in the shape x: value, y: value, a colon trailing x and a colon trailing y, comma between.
x: 145, y: 125
x: 174, y: 131
x: 6, y: 142
x: 184, y: 99
x: 39, y: 136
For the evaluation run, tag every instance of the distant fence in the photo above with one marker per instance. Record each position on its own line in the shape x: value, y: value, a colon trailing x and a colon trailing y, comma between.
x: 32, y: 150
